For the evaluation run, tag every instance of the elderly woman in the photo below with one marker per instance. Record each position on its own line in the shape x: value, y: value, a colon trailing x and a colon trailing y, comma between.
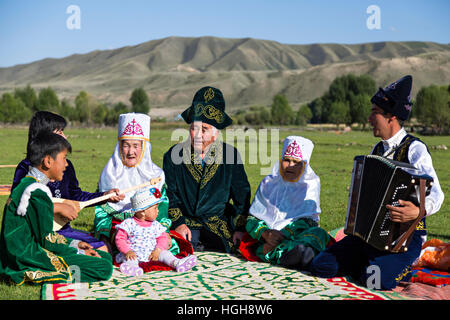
x: 130, y: 165
x: 284, y: 215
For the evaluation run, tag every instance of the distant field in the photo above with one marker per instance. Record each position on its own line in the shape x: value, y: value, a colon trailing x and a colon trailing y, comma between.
x: 332, y: 160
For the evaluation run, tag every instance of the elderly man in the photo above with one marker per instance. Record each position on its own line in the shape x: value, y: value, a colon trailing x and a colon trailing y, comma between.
x: 203, y: 174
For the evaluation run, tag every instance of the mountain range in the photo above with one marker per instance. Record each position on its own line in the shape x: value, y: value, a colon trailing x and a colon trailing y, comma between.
x: 248, y: 71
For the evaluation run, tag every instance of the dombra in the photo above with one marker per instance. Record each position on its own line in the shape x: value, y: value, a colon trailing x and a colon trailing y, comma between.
x: 60, y: 221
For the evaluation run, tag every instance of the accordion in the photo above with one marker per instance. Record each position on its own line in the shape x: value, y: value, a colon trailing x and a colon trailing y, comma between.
x: 377, y: 182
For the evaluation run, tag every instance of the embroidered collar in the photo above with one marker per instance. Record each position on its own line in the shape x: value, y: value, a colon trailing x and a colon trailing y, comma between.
x: 38, y: 175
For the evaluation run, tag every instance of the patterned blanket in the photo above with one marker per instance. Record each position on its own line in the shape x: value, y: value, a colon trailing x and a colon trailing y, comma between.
x: 217, y: 276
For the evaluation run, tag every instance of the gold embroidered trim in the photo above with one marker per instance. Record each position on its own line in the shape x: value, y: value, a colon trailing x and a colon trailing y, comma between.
x: 220, y: 228
x: 209, y: 111
x: 209, y: 94
x: 58, y: 263
x: 421, y: 226
x: 174, y: 214
x: 213, y: 159
x: 192, y: 223
x: 54, y: 237
x: 403, y: 274
x: 240, y: 220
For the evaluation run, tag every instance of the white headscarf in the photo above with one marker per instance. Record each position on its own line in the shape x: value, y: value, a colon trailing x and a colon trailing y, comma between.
x: 115, y: 174
x: 278, y: 202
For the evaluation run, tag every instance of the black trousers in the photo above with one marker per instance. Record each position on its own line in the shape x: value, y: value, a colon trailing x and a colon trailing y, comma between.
x: 203, y: 239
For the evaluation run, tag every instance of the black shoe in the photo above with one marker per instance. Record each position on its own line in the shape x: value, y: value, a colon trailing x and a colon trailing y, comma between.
x: 299, y: 257
x: 199, y: 247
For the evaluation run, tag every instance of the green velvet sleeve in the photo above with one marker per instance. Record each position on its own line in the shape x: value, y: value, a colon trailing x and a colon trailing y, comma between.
x: 102, y: 222
x: 255, y: 227
x: 174, y: 209
x: 163, y: 209
x: 40, y: 213
x: 240, y: 193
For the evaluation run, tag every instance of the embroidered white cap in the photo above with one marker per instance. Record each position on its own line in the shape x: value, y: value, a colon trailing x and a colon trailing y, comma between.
x: 145, y: 198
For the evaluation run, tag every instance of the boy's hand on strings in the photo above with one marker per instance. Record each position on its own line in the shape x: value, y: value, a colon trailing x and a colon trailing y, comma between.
x: 67, y: 209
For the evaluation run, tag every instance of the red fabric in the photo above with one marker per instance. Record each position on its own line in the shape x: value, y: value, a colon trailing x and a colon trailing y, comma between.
x: 247, y: 248
x: 184, y: 245
x: 429, y: 276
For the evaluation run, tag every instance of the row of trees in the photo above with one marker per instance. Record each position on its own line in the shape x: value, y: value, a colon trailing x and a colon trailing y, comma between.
x: 18, y: 107
x: 432, y: 108
x: 347, y: 101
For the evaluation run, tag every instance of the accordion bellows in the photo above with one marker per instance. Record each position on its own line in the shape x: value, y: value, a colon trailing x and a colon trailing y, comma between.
x: 377, y: 182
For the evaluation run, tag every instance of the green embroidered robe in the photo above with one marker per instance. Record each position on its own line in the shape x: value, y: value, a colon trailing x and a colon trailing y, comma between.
x: 303, y: 231
x: 32, y: 252
x: 199, y: 195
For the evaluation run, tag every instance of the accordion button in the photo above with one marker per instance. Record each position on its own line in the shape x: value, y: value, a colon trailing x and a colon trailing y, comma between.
x: 386, y: 248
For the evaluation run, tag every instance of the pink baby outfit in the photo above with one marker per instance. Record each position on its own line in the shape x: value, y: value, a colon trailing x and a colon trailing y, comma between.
x: 140, y: 236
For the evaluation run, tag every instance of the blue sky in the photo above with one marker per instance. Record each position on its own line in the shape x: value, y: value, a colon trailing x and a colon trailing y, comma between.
x: 33, y: 30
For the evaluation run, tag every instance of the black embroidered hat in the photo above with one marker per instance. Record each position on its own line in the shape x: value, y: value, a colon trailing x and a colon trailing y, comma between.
x: 208, y: 106
x: 395, y: 98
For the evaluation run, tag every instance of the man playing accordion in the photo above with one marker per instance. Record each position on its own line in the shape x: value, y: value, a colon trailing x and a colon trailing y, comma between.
x: 352, y: 256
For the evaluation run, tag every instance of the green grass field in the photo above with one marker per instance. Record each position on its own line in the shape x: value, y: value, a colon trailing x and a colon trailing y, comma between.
x: 332, y: 160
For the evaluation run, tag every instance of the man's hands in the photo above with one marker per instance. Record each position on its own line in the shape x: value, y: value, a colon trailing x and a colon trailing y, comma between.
x: 88, y: 250
x: 406, y: 212
x: 184, y: 231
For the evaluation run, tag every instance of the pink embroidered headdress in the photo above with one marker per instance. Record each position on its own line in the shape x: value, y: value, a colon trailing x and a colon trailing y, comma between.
x: 134, y: 126
x: 297, y: 147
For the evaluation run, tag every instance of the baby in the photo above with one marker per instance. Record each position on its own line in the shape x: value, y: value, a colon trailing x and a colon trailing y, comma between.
x: 141, y: 238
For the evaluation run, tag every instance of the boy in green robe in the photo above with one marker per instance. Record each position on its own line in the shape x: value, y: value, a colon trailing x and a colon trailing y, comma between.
x: 30, y: 250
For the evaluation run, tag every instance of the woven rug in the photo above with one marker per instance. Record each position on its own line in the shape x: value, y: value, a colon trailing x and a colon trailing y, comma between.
x: 217, y: 276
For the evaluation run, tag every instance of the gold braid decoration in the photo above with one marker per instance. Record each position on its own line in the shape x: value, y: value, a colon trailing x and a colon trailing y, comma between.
x: 54, y: 237
x: 240, y: 220
x: 209, y: 111
x: 217, y: 225
x: 37, y: 275
x: 209, y: 94
x: 213, y: 160
x: 174, y: 214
